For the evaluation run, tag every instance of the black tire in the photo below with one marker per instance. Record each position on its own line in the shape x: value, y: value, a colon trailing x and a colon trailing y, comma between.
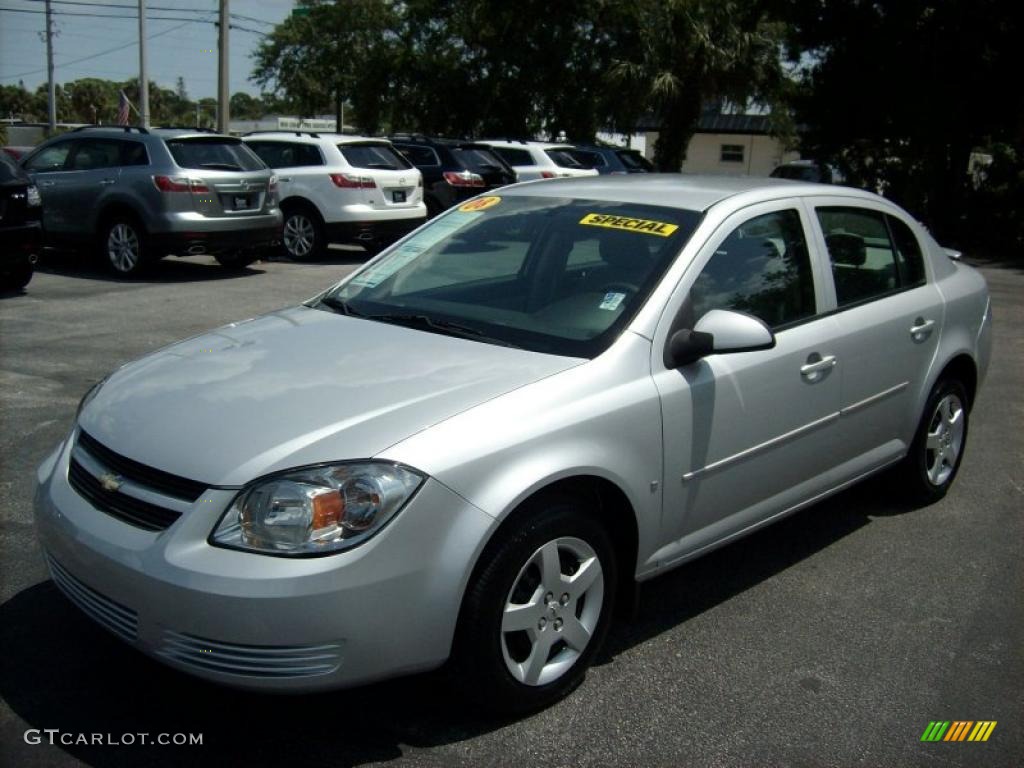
x: 237, y: 259
x: 17, y: 278
x: 485, y: 653
x: 124, y: 245
x: 927, y: 472
x: 303, y: 236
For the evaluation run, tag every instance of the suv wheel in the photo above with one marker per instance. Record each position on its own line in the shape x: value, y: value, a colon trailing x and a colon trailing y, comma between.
x: 934, y: 458
x: 303, y: 234
x: 17, y: 278
x: 123, y: 245
x: 537, y: 613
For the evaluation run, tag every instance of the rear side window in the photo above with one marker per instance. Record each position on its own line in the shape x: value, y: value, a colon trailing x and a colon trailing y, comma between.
x: 634, y: 161
x: 91, y: 154
x: 380, y: 156
x: 564, y: 158
x: 514, y: 156
x: 908, y: 253
x: 419, y: 156
x: 134, y: 153
x: 214, y: 153
x: 50, y: 159
x: 762, y: 268
x: 286, y: 154
x: 862, y: 254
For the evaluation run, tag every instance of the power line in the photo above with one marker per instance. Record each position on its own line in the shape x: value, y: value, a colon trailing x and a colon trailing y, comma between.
x: 121, y: 6
x: 108, y: 15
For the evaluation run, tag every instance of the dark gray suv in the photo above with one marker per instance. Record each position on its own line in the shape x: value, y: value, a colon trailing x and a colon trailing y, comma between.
x: 138, y: 195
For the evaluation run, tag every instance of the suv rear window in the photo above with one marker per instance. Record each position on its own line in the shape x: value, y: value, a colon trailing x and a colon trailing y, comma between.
x: 214, y: 153
x: 634, y: 161
x: 477, y: 158
x: 419, y: 155
x: 588, y: 159
x: 564, y: 159
x: 380, y: 156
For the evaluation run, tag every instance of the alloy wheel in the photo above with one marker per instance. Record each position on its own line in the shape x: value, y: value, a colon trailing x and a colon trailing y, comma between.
x: 945, y: 439
x: 299, y: 235
x: 123, y: 247
x: 552, y: 611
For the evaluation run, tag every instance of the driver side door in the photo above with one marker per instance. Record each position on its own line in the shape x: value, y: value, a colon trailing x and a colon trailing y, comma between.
x: 748, y: 435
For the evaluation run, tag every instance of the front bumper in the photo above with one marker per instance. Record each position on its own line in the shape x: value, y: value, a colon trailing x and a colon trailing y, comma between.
x: 385, y: 608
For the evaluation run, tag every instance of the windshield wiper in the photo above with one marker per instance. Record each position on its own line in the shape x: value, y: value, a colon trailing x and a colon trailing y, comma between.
x: 340, y: 305
x: 447, y: 327
x: 222, y: 166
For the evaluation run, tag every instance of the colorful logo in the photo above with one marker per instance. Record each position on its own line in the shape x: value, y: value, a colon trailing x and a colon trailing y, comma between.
x: 958, y: 730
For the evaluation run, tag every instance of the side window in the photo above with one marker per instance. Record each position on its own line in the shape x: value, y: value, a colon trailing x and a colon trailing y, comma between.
x: 515, y: 156
x: 283, y: 154
x: 50, y: 159
x: 863, y: 258
x: 762, y: 268
x: 93, y: 154
x: 134, y: 153
x: 908, y: 253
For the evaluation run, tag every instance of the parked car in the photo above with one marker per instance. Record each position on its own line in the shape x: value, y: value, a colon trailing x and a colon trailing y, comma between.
x: 539, y: 160
x: 21, y: 228
x: 607, y: 159
x: 809, y: 170
x: 338, y: 188
x: 453, y: 171
x: 476, y: 444
x: 137, y: 195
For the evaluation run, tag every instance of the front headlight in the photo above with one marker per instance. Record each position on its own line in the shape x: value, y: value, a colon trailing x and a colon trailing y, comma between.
x: 32, y: 198
x: 316, y: 510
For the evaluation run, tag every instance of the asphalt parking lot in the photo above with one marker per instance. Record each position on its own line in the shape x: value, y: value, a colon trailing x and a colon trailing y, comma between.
x: 832, y: 638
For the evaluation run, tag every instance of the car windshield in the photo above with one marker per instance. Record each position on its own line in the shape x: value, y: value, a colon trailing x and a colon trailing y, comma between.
x: 215, y: 154
x: 555, y: 275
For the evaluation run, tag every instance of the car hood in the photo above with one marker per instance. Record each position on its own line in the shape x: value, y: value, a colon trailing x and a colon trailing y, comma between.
x: 296, y: 387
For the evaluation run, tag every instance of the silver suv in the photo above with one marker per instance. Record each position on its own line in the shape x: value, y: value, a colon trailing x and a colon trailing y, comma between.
x: 138, y: 195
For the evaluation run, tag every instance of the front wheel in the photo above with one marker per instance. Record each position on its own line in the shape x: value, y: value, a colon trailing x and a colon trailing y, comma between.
x: 934, y: 459
x: 538, y: 610
x: 17, y: 278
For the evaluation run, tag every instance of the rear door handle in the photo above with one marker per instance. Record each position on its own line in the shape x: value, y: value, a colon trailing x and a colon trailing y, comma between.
x: 921, y: 328
x: 47, y: 183
x: 106, y: 182
x: 810, y: 370
x: 284, y: 178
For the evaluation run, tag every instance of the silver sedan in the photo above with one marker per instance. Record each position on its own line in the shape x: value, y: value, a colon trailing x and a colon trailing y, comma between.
x: 473, y: 447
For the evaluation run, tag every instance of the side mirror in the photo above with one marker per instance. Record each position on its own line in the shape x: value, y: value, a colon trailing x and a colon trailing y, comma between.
x: 720, y: 331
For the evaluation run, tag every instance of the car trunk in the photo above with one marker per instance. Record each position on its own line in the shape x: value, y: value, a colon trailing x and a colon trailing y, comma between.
x: 387, y: 180
x: 225, y: 177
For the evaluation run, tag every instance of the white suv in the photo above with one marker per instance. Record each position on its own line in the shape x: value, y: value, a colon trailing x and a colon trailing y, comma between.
x: 539, y: 160
x: 337, y: 188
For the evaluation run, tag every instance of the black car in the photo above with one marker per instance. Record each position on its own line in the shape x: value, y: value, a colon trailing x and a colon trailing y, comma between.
x: 21, y: 225
x: 453, y: 170
x: 610, y: 159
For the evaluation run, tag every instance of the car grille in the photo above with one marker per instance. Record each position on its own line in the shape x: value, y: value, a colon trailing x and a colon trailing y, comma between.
x: 250, y: 660
x: 87, y: 482
x: 120, y: 620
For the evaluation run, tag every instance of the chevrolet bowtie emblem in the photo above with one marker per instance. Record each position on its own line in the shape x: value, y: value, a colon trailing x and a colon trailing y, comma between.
x: 110, y: 481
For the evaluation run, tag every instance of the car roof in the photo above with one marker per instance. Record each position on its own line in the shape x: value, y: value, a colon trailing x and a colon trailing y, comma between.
x: 688, y: 192
x: 313, y: 137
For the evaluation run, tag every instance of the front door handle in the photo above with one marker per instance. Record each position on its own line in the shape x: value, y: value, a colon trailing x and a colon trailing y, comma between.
x: 814, y: 369
x: 921, y: 329
x: 107, y: 182
x: 284, y: 178
x: 47, y: 183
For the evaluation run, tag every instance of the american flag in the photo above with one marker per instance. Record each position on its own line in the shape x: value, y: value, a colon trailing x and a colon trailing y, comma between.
x: 122, y: 110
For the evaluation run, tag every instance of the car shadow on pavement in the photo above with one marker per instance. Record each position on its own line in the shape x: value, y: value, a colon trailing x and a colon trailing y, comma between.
x: 169, y: 270
x: 58, y: 670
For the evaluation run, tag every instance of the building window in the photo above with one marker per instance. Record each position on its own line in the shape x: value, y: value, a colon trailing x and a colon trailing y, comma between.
x: 732, y: 153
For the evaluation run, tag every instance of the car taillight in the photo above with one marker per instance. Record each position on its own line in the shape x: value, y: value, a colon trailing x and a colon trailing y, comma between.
x: 179, y: 184
x: 464, y: 179
x: 351, y: 181
x: 547, y: 175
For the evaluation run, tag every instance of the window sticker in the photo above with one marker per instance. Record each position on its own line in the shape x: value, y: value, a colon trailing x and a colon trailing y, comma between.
x: 411, y: 249
x: 629, y: 224
x: 480, y: 203
x: 611, y: 301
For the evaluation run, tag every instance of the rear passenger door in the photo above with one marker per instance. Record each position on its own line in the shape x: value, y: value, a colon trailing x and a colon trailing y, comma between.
x: 96, y: 168
x: 890, y: 315
x: 297, y: 164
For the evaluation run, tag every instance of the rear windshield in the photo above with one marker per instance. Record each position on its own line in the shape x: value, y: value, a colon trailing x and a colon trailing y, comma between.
x: 478, y: 158
x: 214, y: 153
x: 634, y: 161
x: 9, y: 170
x: 564, y: 158
x: 380, y: 156
x: 588, y: 159
x: 556, y: 275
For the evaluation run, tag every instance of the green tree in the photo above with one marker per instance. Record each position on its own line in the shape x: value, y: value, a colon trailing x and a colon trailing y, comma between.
x: 691, y: 51
x: 17, y: 102
x: 92, y: 101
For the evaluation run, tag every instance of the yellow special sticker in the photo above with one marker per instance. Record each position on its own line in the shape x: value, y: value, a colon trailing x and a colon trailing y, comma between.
x: 611, y: 221
x: 480, y: 203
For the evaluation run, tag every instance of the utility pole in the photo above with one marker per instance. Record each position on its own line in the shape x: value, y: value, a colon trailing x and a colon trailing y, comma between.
x: 143, y: 68
x: 223, y: 97
x: 51, y: 90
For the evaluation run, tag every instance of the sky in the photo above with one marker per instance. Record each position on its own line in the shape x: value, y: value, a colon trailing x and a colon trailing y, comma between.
x: 83, y: 45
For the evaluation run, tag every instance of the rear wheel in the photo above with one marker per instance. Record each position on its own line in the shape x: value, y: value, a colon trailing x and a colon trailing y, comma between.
x: 303, y: 234
x: 17, y: 278
x: 538, y: 610
x: 123, y: 245
x: 934, y: 459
